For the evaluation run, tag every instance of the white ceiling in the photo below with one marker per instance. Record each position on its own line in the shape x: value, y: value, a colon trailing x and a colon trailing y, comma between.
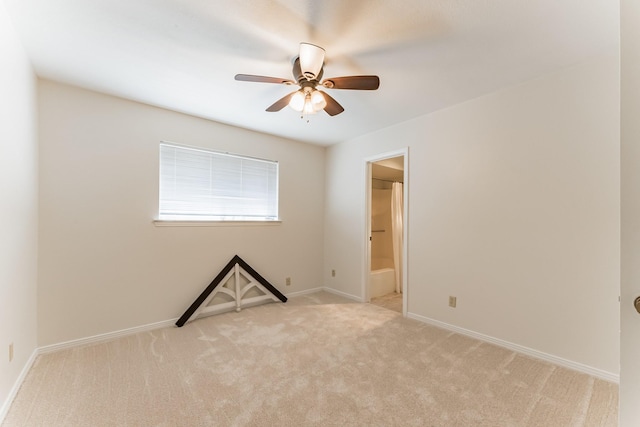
x: 429, y: 54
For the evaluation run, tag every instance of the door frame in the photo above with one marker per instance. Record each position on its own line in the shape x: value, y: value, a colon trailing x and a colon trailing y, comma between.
x: 404, y: 152
x: 629, y: 391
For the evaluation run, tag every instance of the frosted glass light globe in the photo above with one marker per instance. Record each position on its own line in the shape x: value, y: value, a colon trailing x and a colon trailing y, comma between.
x: 297, y: 101
x: 318, y: 101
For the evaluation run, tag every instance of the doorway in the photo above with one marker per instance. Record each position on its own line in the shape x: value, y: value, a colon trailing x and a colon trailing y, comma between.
x: 386, y: 219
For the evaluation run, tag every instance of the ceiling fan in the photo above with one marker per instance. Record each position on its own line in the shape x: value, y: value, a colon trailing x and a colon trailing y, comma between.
x: 308, y: 68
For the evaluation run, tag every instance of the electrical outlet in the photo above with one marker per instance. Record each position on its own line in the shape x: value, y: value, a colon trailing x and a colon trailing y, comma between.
x: 288, y: 281
x: 10, y: 352
x: 333, y: 273
x: 452, y: 302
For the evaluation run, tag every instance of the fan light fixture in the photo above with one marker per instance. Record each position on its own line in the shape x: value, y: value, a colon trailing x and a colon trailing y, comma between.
x: 311, y: 60
x: 308, y: 101
x: 308, y: 70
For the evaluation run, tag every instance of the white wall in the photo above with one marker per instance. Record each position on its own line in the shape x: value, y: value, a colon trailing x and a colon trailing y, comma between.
x: 18, y: 208
x: 513, y: 208
x: 103, y: 265
x: 630, y: 227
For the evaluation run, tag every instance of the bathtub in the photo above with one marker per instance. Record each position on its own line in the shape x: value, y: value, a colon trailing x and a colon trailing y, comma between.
x: 382, y: 282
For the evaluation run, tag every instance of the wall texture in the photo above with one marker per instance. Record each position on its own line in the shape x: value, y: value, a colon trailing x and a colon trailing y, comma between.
x: 104, y: 266
x: 18, y: 208
x: 513, y: 208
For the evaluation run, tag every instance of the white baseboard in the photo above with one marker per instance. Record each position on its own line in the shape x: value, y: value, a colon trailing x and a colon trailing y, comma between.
x: 589, y: 370
x: 4, y: 409
x: 343, y: 294
x: 305, y: 292
x: 149, y: 327
x: 325, y: 289
x: 106, y: 337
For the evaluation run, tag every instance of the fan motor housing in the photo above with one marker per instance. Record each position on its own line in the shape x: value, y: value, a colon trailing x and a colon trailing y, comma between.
x: 306, y: 79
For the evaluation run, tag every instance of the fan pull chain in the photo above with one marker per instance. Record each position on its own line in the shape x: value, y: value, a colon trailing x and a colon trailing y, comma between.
x: 302, y: 118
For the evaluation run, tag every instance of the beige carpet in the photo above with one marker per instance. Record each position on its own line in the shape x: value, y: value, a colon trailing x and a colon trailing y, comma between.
x: 318, y: 360
x: 392, y: 301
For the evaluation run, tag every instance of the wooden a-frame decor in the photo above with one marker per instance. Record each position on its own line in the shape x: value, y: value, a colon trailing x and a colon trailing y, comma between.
x: 228, y: 286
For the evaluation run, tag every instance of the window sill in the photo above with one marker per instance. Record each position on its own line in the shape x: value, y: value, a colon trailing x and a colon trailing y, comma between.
x: 178, y: 223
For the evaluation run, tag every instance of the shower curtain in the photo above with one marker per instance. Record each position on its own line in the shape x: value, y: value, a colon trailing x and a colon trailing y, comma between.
x: 396, y: 231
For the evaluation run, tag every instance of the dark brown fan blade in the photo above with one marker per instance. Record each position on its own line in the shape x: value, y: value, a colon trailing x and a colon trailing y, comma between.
x: 353, y: 82
x: 263, y: 79
x: 332, y: 108
x: 280, y: 103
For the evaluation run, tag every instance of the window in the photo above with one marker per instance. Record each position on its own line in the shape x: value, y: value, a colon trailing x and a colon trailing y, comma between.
x: 203, y: 185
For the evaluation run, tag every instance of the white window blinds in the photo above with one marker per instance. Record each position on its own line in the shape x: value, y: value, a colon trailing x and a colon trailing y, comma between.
x: 201, y: 185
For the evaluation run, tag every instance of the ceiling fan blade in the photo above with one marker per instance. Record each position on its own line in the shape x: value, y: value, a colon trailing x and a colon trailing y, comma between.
x: 353, y: 82
x: 280, y: 103
x: 332, y: 108
x: 262, y: 79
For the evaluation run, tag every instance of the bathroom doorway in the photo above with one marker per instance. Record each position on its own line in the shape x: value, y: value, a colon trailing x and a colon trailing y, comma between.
x: 385, y: 283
